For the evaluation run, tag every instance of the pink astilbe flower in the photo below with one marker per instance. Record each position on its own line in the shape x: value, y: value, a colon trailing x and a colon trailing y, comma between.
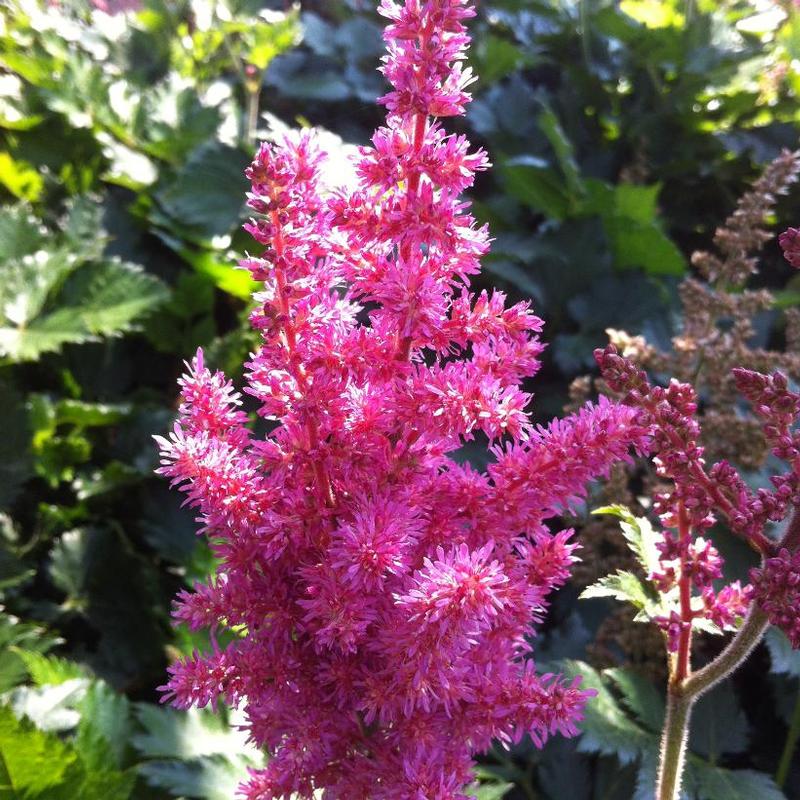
x: 382, y: 592
x: 776, y: 588
x: 700, y: 493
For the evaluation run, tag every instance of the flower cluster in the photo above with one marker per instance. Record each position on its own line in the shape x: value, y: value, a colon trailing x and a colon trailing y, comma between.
x: 698, y: 494
x: 777, y: 591
x: 377, y: 594
x: 789, y: 241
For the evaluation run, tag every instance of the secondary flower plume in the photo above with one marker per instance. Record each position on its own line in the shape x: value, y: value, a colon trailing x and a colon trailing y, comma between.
x: 375, y: 596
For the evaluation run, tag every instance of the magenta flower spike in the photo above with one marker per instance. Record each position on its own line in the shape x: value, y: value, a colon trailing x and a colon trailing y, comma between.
x: 382, y: 593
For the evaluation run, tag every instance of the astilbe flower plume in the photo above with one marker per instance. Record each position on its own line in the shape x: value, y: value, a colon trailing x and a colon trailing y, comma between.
x: 381, y: 591
x: 699, y: 494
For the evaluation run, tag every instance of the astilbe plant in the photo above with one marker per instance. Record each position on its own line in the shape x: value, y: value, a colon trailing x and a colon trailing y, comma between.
x: 686, y: 566
x: 381, y: 592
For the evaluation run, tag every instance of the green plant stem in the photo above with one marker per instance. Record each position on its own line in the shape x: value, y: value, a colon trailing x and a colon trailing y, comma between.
x: 738, y: 649
x: 673, y: 744
x: 682, y: 695
x: 251, y: 126
x: 791, y: 743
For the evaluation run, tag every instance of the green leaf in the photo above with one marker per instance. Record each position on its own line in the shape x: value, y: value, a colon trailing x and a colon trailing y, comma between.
x: 494, y: 57
x: 639, y: 535
x: 267, y: 40
x: 49, y: 708
x: 51, y: 296
x: 209, y: 778
x: 716, y: 783
x: 230, y: 279
x: 785, y: 659
x: 532, y: 181
x: 114, y: 590
x: 627, y: 587
x: 108, y: 298
x: 490, y: 791
x: 27, y: 283
x: 101, y: 300
x: 46, y: 670
x: 719, y: 724
x: 34, y: 764
x: 208, y: 194
x: 645, y: 246
x: 104, y: 731
x: 187, y: 735
x: 16, y: 464
x: 20, y: 178
x: 607, y: 729
x: 565, y: 154
x: 640, y: 696
x: 19, y: 635
x: 20, y: 234
x: 630, y: 218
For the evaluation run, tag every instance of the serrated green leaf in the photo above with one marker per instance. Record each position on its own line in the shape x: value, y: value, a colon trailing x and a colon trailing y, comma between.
x: 108, y: 298
x: 640, y: 696
x: 23, y: 635
x: 47, y: 670
x: 607, y: 729
x: 35, y: 764
x: 49, y: 708
x: 716, y: 783
x: 624, y: 586
x: 104, y: 731
x: 638, y: 533
x: 27, y: 283
x: 20, y: 233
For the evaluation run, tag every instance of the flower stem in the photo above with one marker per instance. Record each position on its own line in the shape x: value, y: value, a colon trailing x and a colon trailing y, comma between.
x: 682, y: 696
x: 673, y: 744
x: 738, y: 649
x: 683, y: 666
x: 791, y: 743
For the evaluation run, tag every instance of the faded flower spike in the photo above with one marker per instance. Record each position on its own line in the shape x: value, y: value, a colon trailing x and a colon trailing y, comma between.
x: 382, y: 592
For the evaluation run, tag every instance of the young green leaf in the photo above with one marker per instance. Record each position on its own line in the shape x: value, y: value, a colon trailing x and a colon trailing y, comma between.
x: 638, y: 533
x: 624, y: 586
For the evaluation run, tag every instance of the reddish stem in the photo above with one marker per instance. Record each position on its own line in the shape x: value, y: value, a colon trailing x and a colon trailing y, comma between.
x: 404, y: 343
x: 323, y: 481
x: 420, y: 124
x: 762, y: 544
x: 683, y: 665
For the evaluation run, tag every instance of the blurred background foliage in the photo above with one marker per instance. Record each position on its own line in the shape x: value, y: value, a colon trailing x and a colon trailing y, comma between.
x: 622, y: 134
